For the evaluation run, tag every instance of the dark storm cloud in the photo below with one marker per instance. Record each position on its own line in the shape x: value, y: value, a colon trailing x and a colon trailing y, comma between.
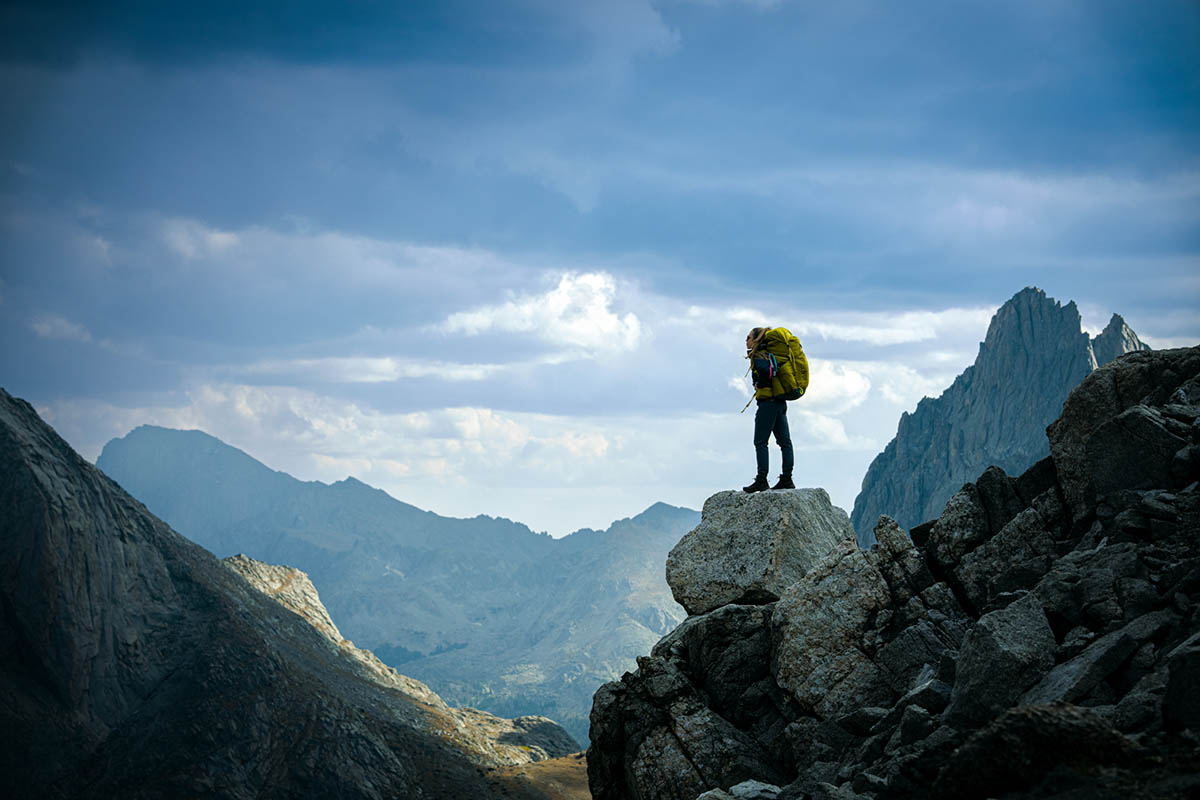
x: 57, y: 32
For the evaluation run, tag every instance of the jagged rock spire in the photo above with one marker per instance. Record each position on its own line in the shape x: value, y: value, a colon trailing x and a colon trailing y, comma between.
x: 995, y: 412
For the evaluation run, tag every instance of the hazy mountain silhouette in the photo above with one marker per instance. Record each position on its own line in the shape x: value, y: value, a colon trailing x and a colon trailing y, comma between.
x: 484, y: 610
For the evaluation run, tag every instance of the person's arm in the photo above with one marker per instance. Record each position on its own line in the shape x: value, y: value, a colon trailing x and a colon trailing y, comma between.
x: 762, y: 371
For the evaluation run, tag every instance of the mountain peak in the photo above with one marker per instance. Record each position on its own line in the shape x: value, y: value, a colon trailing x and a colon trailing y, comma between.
x: 995, y: 412
x: 1115, y: 340
x: 132, y: 639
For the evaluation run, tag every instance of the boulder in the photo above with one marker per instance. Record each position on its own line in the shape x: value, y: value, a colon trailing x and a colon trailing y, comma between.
x: 655, y: 736
x: 1014, y: 558
x: 820, y: 627
x: 1015, y: 752
x: 863, y: 627
x: 1145, y: 378
x: 1134, y: 450
x: 960, y: 529
x: 1003, y: 654
x: 748, y: 548
x: 754, y: 790
x: 1181, y: 706
x: 1072, y: 680
x: 727, y: 656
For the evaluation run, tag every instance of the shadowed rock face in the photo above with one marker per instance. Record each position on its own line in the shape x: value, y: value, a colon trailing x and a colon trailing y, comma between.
x: 133, y: 663
x: 994, y: 413
x: 1041, y: 638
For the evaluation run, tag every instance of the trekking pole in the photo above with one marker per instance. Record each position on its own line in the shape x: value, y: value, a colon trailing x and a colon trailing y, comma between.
x: 748, y: 402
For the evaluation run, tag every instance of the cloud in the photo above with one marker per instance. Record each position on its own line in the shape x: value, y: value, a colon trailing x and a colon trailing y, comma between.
x: 1167, y: 343
x: 52, y: 326
x: 577, y: 312
x: 835, y: 387
x: 507, y: 459
x: 891, y: 328
x: 191, y: 239
x: 882, y: 328
x: 362, y: 369
x: 814, y: 431
x: 904, y: 386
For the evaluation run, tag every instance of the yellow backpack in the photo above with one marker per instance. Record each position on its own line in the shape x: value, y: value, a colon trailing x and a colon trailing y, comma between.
x: 790, y: 378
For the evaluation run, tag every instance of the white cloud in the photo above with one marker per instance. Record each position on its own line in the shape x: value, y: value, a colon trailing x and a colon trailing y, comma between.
x: 814, y: 431
x: 362, y: 369
x: 53, y: 326
x: 1167, y: 342
x: 191, y: 239
x: 468, y: 460
x: 577, y: 312
x: 834, y: 387
x: 889, y: 328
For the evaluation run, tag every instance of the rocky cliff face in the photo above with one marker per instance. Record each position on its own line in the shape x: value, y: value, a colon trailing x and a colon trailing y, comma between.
x: 492, y: 741
x: 1040, y: 638
x: 485, y: 611
x: 135, y: 664
x: 993, y: 414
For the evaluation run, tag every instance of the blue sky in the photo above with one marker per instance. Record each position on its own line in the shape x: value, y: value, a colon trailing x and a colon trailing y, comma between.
x: 500, y: 257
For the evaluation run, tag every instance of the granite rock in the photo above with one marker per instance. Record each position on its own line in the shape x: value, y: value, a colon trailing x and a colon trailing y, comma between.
x: 748, y: 548
x: 1004, y: 653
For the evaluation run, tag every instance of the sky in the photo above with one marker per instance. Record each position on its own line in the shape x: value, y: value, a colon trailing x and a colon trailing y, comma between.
x: 501, y: 258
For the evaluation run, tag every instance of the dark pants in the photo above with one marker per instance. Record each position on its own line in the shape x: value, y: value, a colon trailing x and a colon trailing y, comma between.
x: 771, y: 417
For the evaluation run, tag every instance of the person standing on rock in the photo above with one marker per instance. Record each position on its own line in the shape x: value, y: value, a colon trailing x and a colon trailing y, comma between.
x: 780, y: 373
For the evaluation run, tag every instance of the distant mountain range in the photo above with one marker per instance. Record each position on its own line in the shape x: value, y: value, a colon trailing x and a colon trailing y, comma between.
x: 484, y: 610
x: 995, y: 412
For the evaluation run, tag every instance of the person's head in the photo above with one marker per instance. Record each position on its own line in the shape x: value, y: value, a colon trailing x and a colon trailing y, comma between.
x: 754, y: 337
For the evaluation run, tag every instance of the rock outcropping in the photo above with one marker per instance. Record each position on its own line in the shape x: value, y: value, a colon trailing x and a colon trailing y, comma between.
x: 748, y: 549
x: 994, y: 413
x: 133, y: 663
x: 1041, y: 638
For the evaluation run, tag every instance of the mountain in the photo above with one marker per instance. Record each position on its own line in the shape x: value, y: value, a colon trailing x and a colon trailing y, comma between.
x: 994, y: 413
x: 136, y: 664
x: 487, y: 612
x: 1039, y: 639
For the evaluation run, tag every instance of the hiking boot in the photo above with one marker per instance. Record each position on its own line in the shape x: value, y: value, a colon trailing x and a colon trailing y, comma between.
x: 760, y: 485
x: 784, y: 482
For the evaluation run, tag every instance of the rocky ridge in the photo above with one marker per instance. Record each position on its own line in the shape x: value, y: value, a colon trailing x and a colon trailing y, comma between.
x: 486, y: 612
x: 134, y: 663
x: 994, y: 413
x: 1040, y: 638
x: 492, y: 741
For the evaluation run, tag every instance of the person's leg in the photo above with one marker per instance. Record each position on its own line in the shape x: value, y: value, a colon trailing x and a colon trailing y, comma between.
x: 783, y: 438
x: 764, y: 423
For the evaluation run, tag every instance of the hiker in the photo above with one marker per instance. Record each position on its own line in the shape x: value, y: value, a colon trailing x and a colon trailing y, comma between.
x: 780, y: 373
